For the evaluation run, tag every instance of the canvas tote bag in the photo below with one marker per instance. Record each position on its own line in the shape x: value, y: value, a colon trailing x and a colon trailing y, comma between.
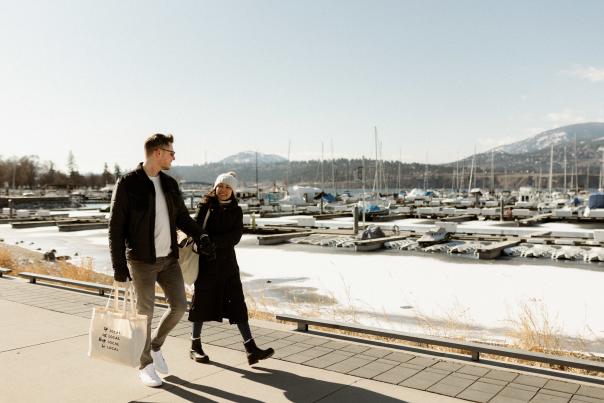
x: 188, y: 259
x: 117, y: 332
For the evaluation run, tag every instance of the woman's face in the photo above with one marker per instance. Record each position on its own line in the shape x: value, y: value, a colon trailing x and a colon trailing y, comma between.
x: 223, y: 191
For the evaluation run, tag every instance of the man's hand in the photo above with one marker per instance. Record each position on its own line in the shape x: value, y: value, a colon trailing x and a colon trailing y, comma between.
x: 121, y: 276
x: 206, y: 247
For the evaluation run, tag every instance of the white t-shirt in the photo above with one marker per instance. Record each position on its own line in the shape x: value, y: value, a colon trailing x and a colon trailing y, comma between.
x: 163, y: 240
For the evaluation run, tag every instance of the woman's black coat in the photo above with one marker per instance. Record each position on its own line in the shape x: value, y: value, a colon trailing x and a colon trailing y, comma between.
x: 218, y: 290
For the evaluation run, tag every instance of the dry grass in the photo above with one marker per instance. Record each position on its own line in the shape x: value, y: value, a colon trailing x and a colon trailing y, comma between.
x: 6, y: 259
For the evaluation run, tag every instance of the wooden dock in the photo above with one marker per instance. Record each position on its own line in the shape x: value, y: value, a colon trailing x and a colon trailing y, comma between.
x: 83, y: 226
x: 536, y: 219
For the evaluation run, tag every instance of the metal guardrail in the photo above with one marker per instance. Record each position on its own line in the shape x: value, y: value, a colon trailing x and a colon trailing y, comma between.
x: 100, y: 288
x: 4, y: 271
x: 473, y: 348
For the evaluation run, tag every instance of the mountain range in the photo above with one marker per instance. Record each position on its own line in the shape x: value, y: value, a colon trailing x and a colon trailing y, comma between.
x: 516, y: 164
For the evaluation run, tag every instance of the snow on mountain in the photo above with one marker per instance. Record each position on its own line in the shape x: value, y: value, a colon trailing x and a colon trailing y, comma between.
x: 249, y: 157
x: 584, y: 132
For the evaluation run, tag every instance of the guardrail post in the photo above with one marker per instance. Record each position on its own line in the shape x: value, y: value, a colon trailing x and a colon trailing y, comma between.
x: 101, y: 292
x: 476, y: 355
x: 303, y: 327
x: 32, y: 280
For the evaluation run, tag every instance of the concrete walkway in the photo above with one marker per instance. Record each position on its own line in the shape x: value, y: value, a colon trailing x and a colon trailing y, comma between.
x: 44, y: 337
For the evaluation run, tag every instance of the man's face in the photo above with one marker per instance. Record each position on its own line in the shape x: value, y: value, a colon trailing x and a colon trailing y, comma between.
x: 165, y: 155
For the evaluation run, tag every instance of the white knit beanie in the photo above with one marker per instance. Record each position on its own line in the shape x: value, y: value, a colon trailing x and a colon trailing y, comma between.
x: 228, y: 178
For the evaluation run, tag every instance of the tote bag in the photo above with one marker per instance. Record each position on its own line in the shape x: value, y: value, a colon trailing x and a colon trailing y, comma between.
x: 188, y: 259
x: 118, y: 333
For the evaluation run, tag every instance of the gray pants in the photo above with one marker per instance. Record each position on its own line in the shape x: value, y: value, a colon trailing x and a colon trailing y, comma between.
x: 166, y: 272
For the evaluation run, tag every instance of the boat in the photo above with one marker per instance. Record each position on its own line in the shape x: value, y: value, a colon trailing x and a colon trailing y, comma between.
x: 434, y: 236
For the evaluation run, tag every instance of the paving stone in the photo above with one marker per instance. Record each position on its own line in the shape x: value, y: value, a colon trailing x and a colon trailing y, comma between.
x: 264, y: 340
x: 486, y: 387
x: 501, y: 375
x: 473, y: 370
x: 328, y: 359
x: 260, y: 330
x: 585, y: 399
x: 371, y: 370
x: 278, y: 334
x: 412, y: 366
x: 226, y: 341
x: 516, y: 393
x: 556, y: 393
x: 422, y: 361
x: 451, y: 385
x: 292, y: 349
x: 476, y: 395
x: 493, y: 381
x: 530, y: 380
x: 591, y: 391
x: 400, y: 357
x: 316, y: 341
x: 297, y: 337
x: 545, y: 398
x: 348, y: 365
x: 561, y: 386
x: 355, y: 348
x: 281, y: 343
x: 236, y: 346
x: 376, y: 352
x: 396, y: 375
x: 384, y: 361
x: 465, y: 376
x: 438, y: 371
x: 422, y: 380
x: 447, y: 365
x: 506, y: 399
x: 523, y: 387
x: 336, y: 345
x: 307, y: 355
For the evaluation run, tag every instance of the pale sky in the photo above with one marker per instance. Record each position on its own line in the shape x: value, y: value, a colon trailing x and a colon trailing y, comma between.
x: 436, y: 78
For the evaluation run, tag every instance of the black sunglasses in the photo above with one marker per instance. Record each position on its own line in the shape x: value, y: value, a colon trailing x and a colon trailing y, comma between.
x: 170, y: 151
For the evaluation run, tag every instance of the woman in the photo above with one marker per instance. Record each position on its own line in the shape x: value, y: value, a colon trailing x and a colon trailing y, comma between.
x: 218, y: 291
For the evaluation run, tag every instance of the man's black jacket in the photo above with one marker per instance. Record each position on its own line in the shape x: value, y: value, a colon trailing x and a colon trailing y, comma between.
x: 132, y: 219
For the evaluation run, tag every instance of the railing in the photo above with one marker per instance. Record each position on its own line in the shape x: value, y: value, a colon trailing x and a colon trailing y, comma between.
x: 471, y: 347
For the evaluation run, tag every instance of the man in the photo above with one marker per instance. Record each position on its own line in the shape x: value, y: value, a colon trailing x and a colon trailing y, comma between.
x: 146, y: 209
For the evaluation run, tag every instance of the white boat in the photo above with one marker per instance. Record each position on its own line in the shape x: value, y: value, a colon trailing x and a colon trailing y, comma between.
x: 434, y: 236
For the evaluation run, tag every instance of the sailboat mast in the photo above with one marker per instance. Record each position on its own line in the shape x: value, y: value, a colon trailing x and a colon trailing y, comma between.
x: 576, y: 168
x: 565, y: 189
x: 333, y: 170
x: 377, y: 166
x: 601, y: 168
x: 257, y: 185
x: 471, y: 171
x: 400, y: 157
x: 322, y: 173
x: 493, y: 171
x: 551, y: 167
x: 289, y: 146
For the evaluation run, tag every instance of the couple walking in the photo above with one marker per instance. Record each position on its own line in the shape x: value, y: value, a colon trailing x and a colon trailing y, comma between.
x: 146, y: 209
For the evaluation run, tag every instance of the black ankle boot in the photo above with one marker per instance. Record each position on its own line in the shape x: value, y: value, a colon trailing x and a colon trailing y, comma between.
x: 197, y: 353
x: 254, y: 353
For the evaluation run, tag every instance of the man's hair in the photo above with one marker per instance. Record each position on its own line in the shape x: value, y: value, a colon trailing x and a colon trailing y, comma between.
x: 156, y: 141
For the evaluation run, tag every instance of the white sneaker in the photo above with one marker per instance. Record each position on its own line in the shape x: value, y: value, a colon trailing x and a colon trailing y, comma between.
x: 160, y: 363
x: 149, y: 377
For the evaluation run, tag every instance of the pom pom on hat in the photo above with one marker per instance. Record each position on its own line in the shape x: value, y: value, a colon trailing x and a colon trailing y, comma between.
x: 229, y: 178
